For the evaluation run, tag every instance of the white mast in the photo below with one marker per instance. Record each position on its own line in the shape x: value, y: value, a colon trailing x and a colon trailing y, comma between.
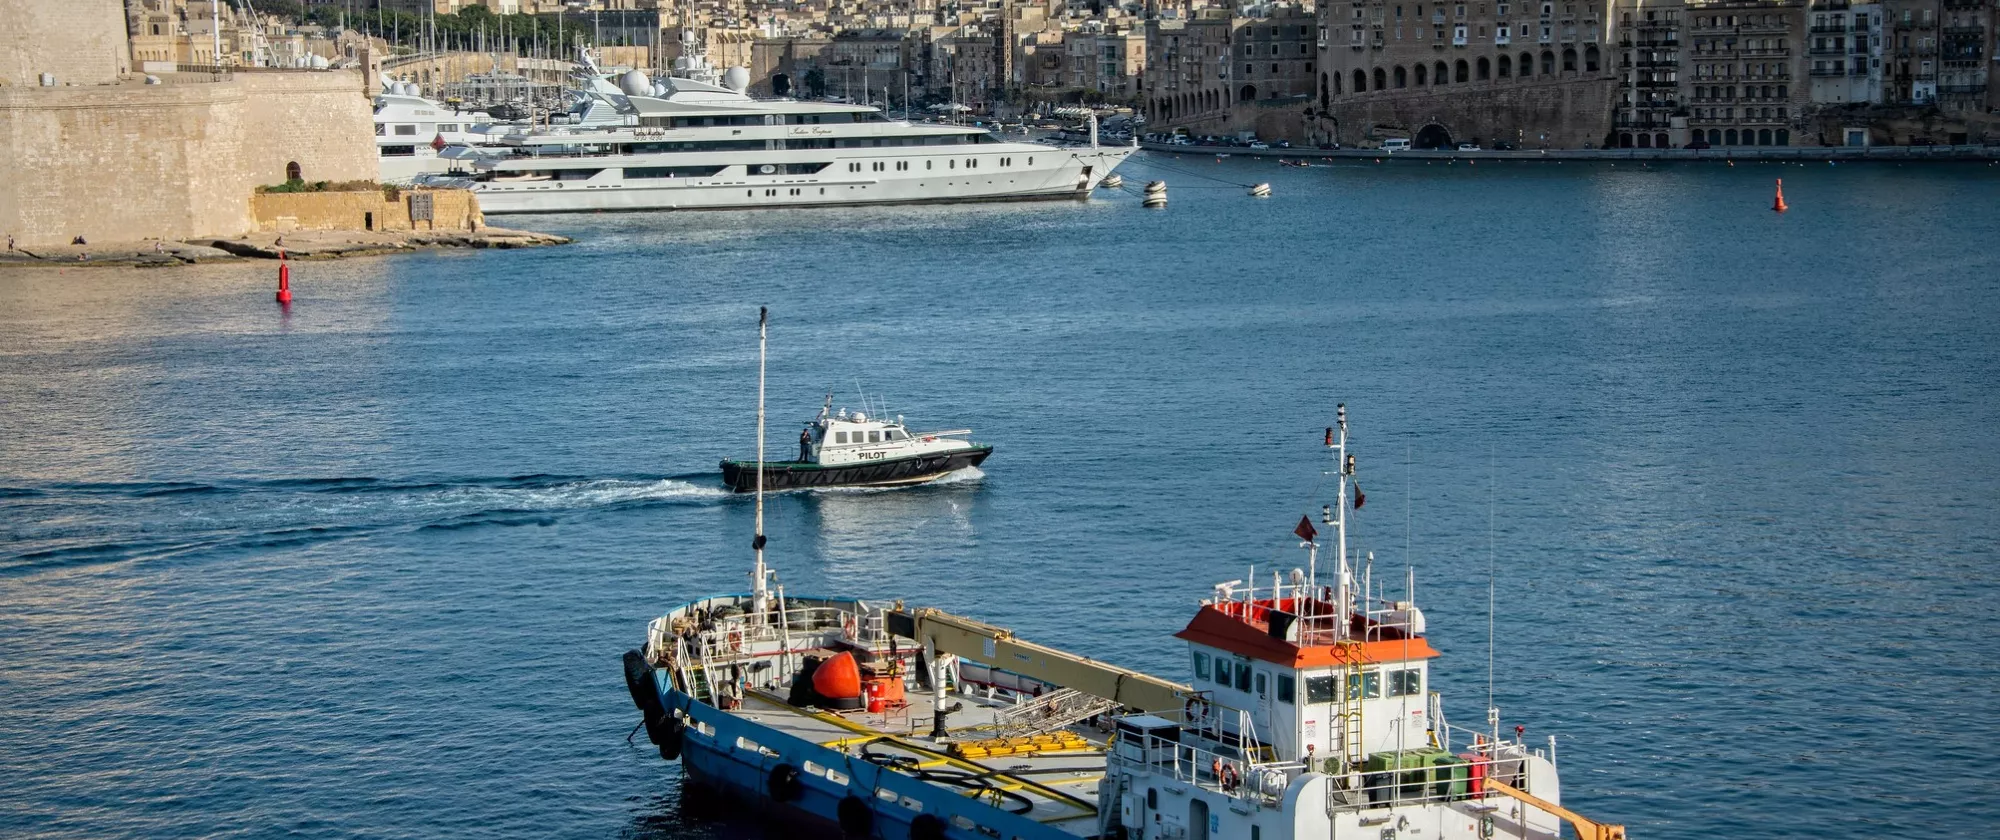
x: 1345, y: 463
x: 760, y: 594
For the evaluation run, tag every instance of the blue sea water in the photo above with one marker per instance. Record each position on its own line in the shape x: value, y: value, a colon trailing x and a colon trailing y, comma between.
x: 365, y: 569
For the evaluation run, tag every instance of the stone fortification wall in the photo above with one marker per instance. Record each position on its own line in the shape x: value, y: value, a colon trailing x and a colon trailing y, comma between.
x: 82, y: 42
x: 365, y: 210
x: 1572, y: 112
x: 133, y: 161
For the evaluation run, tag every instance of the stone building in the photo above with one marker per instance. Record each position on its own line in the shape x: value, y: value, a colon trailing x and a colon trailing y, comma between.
x: 1652, y: 105
x: 1276, y: 54
x: 1186, y: 80
x: 1844, y: 53
x: 1111, y: 63
x: 1537, y: 74
x: 1744, y: 63
x: 1964, y: 56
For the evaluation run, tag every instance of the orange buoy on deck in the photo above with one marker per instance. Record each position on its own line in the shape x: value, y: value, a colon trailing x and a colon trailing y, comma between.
x: 1778, y: 203
x: 285, y: 283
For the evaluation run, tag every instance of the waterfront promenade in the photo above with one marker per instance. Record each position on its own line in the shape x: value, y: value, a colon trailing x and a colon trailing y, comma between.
x: 1788, y: 153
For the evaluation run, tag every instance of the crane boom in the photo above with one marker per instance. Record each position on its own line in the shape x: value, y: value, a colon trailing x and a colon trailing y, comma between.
x: 996, y: 646
x: 1586, y: 829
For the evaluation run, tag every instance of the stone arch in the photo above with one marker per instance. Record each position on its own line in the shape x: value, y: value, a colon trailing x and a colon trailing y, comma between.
x: 1569, y: 59
x: 1423, y: 74
x: 1763, y: 137
x: 781, y: 84
x: 1506, y: 66
x: 1483, y: 69
x: 1625, y: 140
x: 1440, y: 73
x: 1324, y: 82
x: 1729, y: 137
x: 1548, y: 63
x: 1527, y: 65
x: 1248, y: 94
x: 1715, y: 137
x: 1402, y: 76
x: 1462, y: 72
x: 1590, y: 58
x: 1784, y: 137
x: 1645, y: 140
x: 1433, y: 136
x: 1381, y: 79
x: 293, y: 172
x: 1660, y: 141
x: 1360, y: 80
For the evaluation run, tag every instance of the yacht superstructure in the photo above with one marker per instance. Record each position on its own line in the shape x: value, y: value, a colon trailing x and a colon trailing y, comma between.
x: 1309, y: 717
x: 688, y: 143
x: 411, y: 131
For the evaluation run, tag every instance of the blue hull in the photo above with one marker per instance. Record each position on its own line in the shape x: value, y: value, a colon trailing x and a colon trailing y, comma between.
x: 737, y: 757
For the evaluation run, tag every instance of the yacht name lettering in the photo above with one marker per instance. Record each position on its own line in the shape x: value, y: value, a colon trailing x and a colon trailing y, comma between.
x: 811, y: 129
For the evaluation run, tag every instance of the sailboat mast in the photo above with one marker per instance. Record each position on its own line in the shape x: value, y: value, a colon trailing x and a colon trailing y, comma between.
x: 759, y: 593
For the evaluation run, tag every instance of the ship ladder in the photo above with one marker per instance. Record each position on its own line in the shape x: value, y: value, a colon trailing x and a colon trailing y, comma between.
x: 1350, y: 688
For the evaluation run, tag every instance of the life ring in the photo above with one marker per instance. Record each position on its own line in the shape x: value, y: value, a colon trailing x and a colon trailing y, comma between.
x: 783, y: 783
x: 856, y: 818
x: 848, y: 626
x: 1197, y: 709
x: 1229, y: 777
x: 927, y: 827
x: 735, y: 639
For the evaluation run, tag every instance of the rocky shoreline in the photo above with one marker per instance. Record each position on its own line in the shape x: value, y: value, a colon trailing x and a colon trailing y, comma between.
x: 296, y: 245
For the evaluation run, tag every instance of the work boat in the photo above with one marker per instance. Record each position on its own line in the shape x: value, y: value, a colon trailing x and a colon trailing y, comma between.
x: 689, y: 143
x: 1308, y: 716
x: 841, y: 449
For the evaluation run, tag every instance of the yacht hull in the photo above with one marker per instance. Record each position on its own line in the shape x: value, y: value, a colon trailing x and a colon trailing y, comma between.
x: 741, y: 476
x: 1066, y: 173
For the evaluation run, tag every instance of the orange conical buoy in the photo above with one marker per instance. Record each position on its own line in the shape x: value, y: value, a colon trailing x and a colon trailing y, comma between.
x: 1778, y: 203
x: 285, y: 283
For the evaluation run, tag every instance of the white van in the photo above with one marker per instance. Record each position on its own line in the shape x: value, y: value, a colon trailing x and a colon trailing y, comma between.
x: 1395, y: 144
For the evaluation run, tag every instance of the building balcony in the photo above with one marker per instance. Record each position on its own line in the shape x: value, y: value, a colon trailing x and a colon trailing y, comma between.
x: 1905, y: 25
x: 1831, y: 29
x: 1768, y: 51
x: 1821, y: 72
x: 1975, y: 32
x: 1857, y: 70
x: 1826, y: 51
x: 1657, y: 83
x: 1964, y: 4
x: 1960, y: 90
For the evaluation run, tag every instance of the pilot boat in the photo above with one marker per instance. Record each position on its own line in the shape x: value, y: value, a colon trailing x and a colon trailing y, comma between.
x: 839, y: 449
x: 1308, y: 715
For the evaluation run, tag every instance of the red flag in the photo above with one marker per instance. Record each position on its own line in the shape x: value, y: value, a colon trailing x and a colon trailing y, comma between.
x: 438, y: 143
x: 1305, y: 529
x: 1358, y: 497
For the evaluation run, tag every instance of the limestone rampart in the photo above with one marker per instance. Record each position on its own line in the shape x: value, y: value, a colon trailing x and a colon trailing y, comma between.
x: 79, y: 42
x: 132, y: 161
x: 1573, y: 113
x: 376, y: 210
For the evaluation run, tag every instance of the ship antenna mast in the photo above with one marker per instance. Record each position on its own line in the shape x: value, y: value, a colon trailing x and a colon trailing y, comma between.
x: 760, y: 593
x: 1345, y: 464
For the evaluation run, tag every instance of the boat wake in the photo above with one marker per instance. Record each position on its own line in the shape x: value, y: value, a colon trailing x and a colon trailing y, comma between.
x: 62, y: 525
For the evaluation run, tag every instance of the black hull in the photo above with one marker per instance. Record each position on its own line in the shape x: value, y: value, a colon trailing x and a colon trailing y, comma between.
x: 741, y: 476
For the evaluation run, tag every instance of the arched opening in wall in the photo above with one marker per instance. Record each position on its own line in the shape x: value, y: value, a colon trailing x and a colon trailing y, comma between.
x: 1624, y: 141
x: 1360, y: 80
x: 1729, y: 137
x: 1402, y: 77
x: 1590, y: 58
x: 293, y: 172
x: 1645, y: 141
x: 1433, y: 136
x: 1324, y: 93
x: 1423, y: 74
x: 1548, y: 63
x: 1218, y: 100
x: 1569, y: 59
x: 1527, y: 65
x: 1484, y: 68
x: 1763, y: 137
x: 781, y: 85
x: 1714, y: 137
x: 1506, y: 66
x: 1463, y: 72
x: 1784, y: 137
x: 1440, y: 73
x: 1247, y: 94
x: 1660, y: 141
x: 1381, y: 79
x: 368, y: 221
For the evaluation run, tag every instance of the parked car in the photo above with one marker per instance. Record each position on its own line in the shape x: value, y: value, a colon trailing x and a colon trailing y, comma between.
x: 1259, y: 144
x: 1468, y: 147
x: 1183, y: 140
x: 1504, y: 146
x: 1697, y: 144
x: 1282, y: 144
x: 1396, y: 144
x: 1329, y: 146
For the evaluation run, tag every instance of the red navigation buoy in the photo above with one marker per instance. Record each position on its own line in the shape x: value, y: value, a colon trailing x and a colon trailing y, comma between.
x: 285, y: 283
x: 1778, y: 203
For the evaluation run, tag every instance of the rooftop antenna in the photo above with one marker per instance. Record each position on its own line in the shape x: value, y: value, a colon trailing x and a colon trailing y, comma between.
x: 760, y: 594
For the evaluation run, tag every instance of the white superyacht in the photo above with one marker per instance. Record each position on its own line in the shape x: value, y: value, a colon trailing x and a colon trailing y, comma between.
x: 410, y: 131
x: 692, y: 143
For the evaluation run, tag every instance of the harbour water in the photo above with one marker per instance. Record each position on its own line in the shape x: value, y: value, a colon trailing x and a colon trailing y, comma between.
x: 365, y: 569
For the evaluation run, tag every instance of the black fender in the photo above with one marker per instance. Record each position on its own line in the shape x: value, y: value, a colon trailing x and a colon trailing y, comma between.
x: 856, y: 818
x: 639, y: 681
x: 927, y: 827
x: 783, y: 784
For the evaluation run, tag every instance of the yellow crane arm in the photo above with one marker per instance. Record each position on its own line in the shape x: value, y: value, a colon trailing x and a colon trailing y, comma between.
x: 996, y: 646
x: 1586, y: 829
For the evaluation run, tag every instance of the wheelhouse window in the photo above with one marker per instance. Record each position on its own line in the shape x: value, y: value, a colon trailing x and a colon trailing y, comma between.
x: 1242, y: 676
x: 1200, y: 665
x: 1321, y: 689
x: 1366, y: 685
x: 874, y: 437
x: 406, y: 130
x: 839, y: 437
x: 1404, y: 683
x: 1263, y: 686
x: 1288, y: 689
